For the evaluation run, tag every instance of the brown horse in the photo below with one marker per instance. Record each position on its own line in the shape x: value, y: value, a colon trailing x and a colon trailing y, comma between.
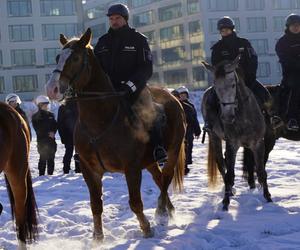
x: 14, y: 144
x: 106, y: 140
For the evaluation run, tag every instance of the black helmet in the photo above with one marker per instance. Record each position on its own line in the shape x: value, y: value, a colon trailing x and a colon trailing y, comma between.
x: 120, y: 9
x: 292, y: 19
x: 225, y: 22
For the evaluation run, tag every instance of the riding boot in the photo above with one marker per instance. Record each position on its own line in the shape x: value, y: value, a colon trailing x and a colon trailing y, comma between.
x: 66, y: 168
x: 77, y: 163
x: 264, y: 101
x: 159, y: 153
x: 50, y: 166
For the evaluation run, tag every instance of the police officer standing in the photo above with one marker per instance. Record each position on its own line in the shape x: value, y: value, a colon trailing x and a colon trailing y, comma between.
x: 125, y: 57
x: 288, y: 51
x: 45, y: 127
x: 228, y: 48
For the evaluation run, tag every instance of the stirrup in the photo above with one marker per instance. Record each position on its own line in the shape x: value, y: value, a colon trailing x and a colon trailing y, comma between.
x: 293, y: 125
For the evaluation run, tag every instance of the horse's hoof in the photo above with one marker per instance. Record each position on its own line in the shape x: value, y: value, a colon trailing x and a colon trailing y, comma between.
x: 252, y: 185
x: 269, y: 199
x: 98, y: 237
x: 225, y: 208
x: 149, y: 233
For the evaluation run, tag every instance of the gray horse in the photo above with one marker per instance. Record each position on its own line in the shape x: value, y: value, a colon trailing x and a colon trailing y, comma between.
x: 238, y: 121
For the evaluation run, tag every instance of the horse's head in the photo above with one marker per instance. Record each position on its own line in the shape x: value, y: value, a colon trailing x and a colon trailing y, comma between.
x: 225, y: 85
x: 72, y: 71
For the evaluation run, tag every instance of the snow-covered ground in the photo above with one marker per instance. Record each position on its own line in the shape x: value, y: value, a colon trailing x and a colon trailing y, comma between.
x: 251, y: 223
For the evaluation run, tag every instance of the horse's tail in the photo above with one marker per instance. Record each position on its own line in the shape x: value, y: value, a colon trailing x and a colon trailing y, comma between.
x: 212, y: 166
x: 179, y: 169
x: 29, y: 229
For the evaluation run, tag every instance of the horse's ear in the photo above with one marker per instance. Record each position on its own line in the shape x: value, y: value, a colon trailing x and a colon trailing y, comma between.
x: 208, y: 66
x: 86, y: 38
x: 63, y: 40
x: 232, y: 66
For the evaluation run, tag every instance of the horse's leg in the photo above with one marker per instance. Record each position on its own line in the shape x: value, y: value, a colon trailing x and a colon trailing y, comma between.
x: 94, y: 183
x: 1, y: 208
x: 134, y: 178
x: 158, y: 179
x: 248, y: 167
x: 230, y: 156
x: 259, y: 154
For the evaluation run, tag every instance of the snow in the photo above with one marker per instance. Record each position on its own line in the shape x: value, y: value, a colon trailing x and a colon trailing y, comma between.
x: 199, y: 223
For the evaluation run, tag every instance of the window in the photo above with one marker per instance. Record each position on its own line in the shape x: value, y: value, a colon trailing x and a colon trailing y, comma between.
x: 26, y: 83
x: 260, y: 46
x: 96, y: 12
x: 17, y: 8
x: 196, y: 50
x: 264, y: 69
x: 1, y: 58
x: 136, y: 3
x: 213, y: 25
x: 154, y: 58
x: 171, y: 33
x: 175, y: 77
x: 255, y: 4
x: 279, y: 23
x: 143, y: 19
x: 151, y: 36
x: 154, y: 78
x: 170, y: 12
x: 52, y: 31
x: 286, y: 4
x: 193, y: 6
x: 222, y: 5
x: 173, y: 54
x: 98, y: 30
x: 20, y: 33
x: 195, y: 28
x: 23, y: 57
x: 2, y: 84
x: 256, y: 24
x: 50, y: 55
x: 198, y: 74
x: 58, y: 7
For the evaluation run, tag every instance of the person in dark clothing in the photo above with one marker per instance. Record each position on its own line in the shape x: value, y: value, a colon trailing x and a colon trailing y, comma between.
x: 125, y: 57
x: 66, y: 120
x: 45, y: 127
x: 14, y: 101
x: 193, y: 129
x: 228, y: 48
x: 288, y: 51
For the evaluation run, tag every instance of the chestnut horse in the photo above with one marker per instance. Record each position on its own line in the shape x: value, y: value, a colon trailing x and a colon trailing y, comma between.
x: 15, y: 144
x: 106, y: 140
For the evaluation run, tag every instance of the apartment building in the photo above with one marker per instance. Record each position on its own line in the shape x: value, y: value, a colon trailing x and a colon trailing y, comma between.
x: 29, y: 36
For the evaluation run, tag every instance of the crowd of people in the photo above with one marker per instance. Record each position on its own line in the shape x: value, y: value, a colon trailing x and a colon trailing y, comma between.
x: 125, y: 56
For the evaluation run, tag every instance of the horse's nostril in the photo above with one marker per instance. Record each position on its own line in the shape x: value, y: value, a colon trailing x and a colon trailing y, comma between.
x: 55, y: 90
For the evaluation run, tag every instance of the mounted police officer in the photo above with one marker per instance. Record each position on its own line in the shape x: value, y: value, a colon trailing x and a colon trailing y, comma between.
x: 125, y: 57
x: 288, y: 51
x: 228, y: 48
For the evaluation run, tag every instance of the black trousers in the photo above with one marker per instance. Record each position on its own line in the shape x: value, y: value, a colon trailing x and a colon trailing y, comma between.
x: 46, y: 151
x: 69, y: 149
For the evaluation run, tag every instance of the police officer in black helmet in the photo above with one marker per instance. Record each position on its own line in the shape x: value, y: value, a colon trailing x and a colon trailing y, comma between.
x: 288, y: 51
x: 228, y: 48
x: 125, y: 56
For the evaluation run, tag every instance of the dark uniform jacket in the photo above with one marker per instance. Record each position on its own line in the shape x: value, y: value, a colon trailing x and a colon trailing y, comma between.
x: 228, y: 49
x: 193, y: 127
x: 124, y: 55
x: 288, y: 51
x: 44, y: 122
x: 66, y: 120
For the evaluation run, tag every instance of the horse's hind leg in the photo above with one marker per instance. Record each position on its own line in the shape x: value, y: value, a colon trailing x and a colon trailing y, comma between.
x: 230, y: 156
x: 248, y: 168
x: 163, y: 203
x: 259, y: 154
x: 134, y: 178
x: 94, y: 183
